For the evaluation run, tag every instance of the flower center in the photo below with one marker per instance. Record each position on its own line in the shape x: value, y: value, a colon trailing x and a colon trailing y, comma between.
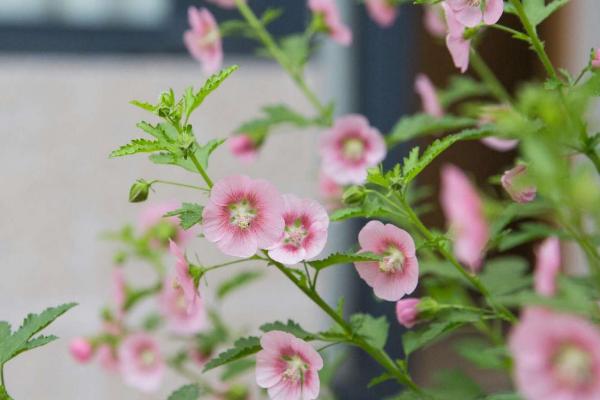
x: 209, y: 39
x: 393, y: 260
x: 353, y: 149
x: 241, y: 214
x: 296, y: 368
x: 573, y: 366
x: 474, y: 3
x: 147, y: 358
x: 295, y: 233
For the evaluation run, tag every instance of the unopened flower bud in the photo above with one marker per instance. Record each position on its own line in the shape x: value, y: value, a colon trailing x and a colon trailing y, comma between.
x: 596, y: 58
x: 139, y: 191
x: 81, y: 349
x: 354, y: 195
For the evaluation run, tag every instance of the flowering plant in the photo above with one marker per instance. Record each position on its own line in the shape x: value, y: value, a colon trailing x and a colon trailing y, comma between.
x: 539, y: 328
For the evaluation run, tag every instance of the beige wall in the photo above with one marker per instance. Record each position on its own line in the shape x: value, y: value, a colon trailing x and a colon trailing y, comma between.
x: 60, y: 117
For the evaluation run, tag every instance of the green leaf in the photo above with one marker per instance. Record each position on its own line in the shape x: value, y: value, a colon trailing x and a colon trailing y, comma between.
x: 343, y: 214
x: 505, y: 275
x: 373, y: 330
x: 202, y: 153
x: 380, y: 379
x: 236, y: 368
x: 242, y: 347
x: 455, y: 384
x: 537, y: 10
x: 343, y: 258
x: 236, y: 282
x: 211, y: 84
x: 273, y: 117
x: 290, y: 327
x: 187, y: 392
x: 189, y: 215
x: 503, y: 396
x: 482, y: 354
x: 461, y: 88
x: 296, y: 48
x: 38, y: 342
x: 138, y: 146
x: 417, y: 125
x: 163, y: 132
x: 19, y: 341
x: 143, y: 105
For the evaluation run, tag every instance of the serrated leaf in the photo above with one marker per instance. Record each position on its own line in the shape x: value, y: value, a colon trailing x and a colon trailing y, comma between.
x: 236, y: 282
x: 38, y: 341
x: 273, y: 117
x: 242, y: 347
x: 189, y: 215
x: 343, y: 258
x: 187, y: 392
x: 236, y: 368
x: 4, y: 330
x: 343, y: 214
x: 505, y: 275
x: 537, y: 10
x: 33, y: 323
x: 373, y: 330
x: 143, y: 105
x: 482, y: 354
x: 461, y: 88
x: 202, y: 153
x: 296, y: 48
x: 411, y: 127
x: 138, y: 146
x: 290, y: 327
x: 210, y: 85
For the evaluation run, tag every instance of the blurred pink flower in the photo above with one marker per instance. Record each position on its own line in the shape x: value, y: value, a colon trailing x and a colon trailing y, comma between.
x: 596, y: 59
x: 223, y: 3
x: 107, y: 358
x: 141, y: 363
x: 183, y: 280
x: 152, y: 221
x: 500, y: 144
x: 182, y: 318
x: 331, y: 16
x: 431, y: 104
x: 198, y: 357
x: 464, y: 213
x: 384, y: 12
x: 330, y: 191
x: 119, y: 292
x: 458, y: 46
x: 243, y: 215
x: 397, y: 274
x: 81, y: 350
x: 407, y: 312
x: 349, y: 148
x: 434, y: 21
x: 512, y: 182
x: 288, y: 367
x: 470, y: 12
x: 556, y: 356
x: 305, y: 233
x: 547, y: 266
x: 203, y: 40
x: 243, y: 147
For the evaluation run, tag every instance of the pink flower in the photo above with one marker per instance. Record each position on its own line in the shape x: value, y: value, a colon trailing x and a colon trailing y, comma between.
x: 407, y: 312
x: 288, y: 367
x: 425, y: 89
x: 397, y: 274
x: 556, y: 357
x: 464, y: 212
x: 515, y: 183
x: 349, y: 148
x: 596, y: 59
x: 470, y: 12
x: 198, y: 357
x: 384, y: 12
x: 183, y: 282
x: 107, y: 358
x: 547, y: 266
x: 223, y: 3
x: 81, y: 350
x: 160, y: 229
x: 181, y: 318
x: 458, y: 46
x: 328, y: 10
x: 500, y: 144
x: 434, y: 21
x: 243, y: 215
x: 330, y: 191
x: 203, y: 40
x: 142, y: 365
x: 243, y: 147
x: 119, y: 292
x: 305, y: 233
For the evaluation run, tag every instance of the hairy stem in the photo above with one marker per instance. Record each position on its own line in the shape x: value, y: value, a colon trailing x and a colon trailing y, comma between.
x: 201, y: 170
x: 184, y: 185
x: 270, y: 44
x: 488, y: 76
x: 217, y: 266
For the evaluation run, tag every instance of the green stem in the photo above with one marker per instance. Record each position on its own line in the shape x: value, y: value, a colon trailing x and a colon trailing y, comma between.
x: 518, y: 35
x: 270, y: 44
x: 201, y: 170
x: 537, y: 44
x: 217, y: 266
x: 593, y: 156
x: 488, y: 76
x: 377, y: 354
x: 179, y: 184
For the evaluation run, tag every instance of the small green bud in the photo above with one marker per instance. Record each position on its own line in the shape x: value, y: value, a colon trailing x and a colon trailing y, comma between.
x: 428, y: 307
x: 354, y: 196
x: 139, y: 191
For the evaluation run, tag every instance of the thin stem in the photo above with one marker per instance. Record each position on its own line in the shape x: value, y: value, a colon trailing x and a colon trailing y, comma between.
x: 270, y: 44
x: 518, y: 35
x: 537, y: 44
x: 217, y: 266
x: 179, y: 184
x: 488, y: 76
x: 201, y: 170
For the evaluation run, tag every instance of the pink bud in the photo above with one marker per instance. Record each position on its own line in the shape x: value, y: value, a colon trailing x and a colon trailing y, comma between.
x: 407, y: 312
x: 514, y: 182
x: 596, y: 58
x: 81, y: 350
x: 243, y: 147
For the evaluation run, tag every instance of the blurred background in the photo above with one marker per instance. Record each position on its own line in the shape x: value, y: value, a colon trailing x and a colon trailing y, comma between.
x: 68, y: 69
